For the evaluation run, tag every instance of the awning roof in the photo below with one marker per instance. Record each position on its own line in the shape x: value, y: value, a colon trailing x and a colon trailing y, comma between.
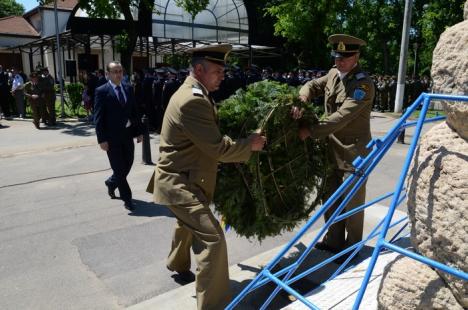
x: 222, y: 21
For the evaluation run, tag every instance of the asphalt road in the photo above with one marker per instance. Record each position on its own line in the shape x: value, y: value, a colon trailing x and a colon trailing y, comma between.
x: 65, y: 245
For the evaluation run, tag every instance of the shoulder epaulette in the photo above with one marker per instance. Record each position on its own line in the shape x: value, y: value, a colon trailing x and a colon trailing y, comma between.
x: 197, y: 91
x: 360, y: 76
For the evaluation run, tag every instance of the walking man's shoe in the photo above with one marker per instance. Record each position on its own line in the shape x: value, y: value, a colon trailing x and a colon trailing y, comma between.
x: 110, y: 190
x: 129, y: 205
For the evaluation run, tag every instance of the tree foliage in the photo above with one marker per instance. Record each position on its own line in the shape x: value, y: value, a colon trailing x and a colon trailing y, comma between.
x: 193, y: 6
x: 306, y: 24
x: 10, y: 7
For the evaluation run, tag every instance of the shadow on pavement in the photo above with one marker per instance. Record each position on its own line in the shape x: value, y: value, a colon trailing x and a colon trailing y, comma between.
x: 255, y: 299
x: 76, y: 129
x: 149, y: 209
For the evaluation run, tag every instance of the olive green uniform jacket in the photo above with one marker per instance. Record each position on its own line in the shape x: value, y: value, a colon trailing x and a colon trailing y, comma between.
x: 348, y: 106
x: 36, y: 104
x: 191, y: 146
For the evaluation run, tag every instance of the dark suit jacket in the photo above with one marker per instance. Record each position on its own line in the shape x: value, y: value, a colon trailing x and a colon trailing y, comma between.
x: 111, y: 117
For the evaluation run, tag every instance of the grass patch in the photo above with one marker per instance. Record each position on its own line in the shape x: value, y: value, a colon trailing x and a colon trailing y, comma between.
x: 429, y: 114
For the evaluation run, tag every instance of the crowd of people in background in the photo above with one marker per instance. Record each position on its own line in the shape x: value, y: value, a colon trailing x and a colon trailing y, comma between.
x: 17, y: 91
x: 385, y: 87
x: 154, y: 87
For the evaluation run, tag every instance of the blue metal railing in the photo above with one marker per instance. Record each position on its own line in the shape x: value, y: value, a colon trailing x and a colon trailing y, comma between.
x: 363, y: 167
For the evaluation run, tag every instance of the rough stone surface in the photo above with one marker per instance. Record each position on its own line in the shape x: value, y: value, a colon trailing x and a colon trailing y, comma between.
x: 449, y: 73
x: 438, y: 202
x: 409, y: 284
x: 465, y: 11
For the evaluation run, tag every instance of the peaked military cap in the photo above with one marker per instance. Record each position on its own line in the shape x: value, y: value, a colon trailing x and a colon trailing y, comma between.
x: 344, y: 45
x: 216, y: 53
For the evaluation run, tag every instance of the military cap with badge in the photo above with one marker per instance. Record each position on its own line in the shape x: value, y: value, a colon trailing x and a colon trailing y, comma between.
x: 215, y: 53
x: 344, y: 45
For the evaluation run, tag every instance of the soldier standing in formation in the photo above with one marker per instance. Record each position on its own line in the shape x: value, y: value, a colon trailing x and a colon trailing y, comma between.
x: 349, y: 94
x: 191, y: 146
x: 34, y: 95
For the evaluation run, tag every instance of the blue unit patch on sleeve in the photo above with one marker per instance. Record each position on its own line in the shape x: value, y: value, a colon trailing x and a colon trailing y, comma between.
x: 359, y: 94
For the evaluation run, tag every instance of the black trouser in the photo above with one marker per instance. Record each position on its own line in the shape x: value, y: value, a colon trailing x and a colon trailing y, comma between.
x: 120, y: 156
x: 5, y: 101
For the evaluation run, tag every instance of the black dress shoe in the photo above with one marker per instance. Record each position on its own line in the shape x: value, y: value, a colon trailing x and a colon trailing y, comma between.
x: 110, y: 190
x: 129, y: 205
x: 183, y: 277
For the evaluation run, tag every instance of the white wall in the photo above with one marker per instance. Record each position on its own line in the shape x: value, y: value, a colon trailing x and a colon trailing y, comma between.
x: 49, y: 22
x: 7, y: 41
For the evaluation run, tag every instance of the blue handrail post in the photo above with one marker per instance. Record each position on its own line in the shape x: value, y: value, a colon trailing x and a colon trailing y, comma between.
x: 393, y: 204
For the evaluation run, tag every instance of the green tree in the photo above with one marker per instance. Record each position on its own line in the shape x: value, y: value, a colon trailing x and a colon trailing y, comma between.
x: 10, y: 7
x: 306, y: 24
x: 431, y: 19
x: 193, y: 6
x: 112, y: 9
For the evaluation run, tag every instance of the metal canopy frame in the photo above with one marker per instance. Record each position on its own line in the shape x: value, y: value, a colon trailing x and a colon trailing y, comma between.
x: 222, y: 21
x: 285, y: 277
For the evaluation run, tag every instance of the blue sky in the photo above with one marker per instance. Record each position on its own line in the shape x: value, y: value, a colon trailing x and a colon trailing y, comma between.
x: 28, y: 4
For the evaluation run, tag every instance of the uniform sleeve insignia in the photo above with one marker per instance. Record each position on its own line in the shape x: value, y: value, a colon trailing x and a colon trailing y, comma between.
x: 360, y: 76
x: 359, y: 94
x: 197, y: 92
x: 364, y: 87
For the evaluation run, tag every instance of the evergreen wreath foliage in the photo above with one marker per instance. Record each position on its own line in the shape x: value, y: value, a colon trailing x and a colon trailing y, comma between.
x: 279, y: 186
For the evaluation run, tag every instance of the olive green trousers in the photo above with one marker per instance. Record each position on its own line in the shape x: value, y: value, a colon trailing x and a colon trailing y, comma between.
x: 348, y: 231
x: 198, y: 229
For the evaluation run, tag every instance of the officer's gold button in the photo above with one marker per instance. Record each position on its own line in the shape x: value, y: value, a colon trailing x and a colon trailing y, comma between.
x: 202, y: 180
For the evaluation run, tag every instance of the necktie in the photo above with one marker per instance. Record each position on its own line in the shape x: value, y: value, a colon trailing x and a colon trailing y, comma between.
x: 120, y: 96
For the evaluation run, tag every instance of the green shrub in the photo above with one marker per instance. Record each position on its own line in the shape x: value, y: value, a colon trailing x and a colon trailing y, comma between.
x: 75, y: 92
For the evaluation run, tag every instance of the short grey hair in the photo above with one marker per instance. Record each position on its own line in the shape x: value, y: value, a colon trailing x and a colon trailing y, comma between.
x: 198, y: 60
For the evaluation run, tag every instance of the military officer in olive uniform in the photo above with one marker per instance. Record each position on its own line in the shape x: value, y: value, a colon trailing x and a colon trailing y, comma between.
x: 349, y: 94
x: 34, y: 96
x: 191, y: 146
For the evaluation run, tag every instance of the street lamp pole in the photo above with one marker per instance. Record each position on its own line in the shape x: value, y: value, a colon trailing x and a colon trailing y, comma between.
x: 59, y: 59
x: 403, y: 57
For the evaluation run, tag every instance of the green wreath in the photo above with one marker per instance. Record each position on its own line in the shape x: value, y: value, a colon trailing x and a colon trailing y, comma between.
x: 279, y: 186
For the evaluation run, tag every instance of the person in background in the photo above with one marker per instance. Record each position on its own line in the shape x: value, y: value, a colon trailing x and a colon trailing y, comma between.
x: 48, y: 94
x: 17, y: 90
x: 35, y: 97
x: 117, y: 123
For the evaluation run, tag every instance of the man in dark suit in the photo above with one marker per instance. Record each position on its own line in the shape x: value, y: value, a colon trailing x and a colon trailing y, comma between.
x: 117, y: 123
